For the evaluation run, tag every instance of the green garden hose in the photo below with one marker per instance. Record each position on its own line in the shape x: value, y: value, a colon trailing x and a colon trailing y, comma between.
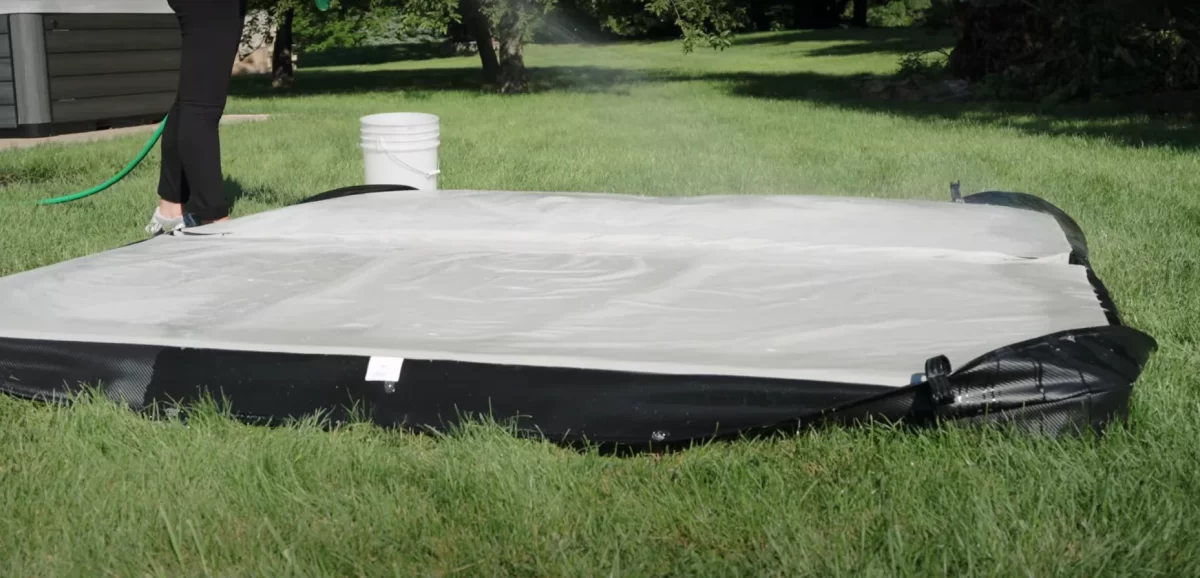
x: 114, y: 180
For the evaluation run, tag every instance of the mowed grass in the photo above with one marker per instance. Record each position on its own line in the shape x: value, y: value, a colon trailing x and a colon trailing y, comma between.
x: 95, y: 490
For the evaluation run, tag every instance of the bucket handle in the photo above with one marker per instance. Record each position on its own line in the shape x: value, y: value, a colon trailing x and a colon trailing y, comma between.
x: 384, y: 148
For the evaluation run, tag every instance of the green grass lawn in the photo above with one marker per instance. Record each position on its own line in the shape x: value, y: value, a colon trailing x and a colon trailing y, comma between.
x: 93, y: 490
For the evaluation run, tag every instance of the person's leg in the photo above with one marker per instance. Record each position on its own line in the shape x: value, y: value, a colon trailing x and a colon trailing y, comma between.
x: 173, y: 191
x: 211, y: 31
x: 172, y: 187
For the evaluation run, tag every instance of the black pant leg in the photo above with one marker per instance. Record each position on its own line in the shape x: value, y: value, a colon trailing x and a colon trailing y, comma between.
x: 172, y: 187
x: 211, y: 30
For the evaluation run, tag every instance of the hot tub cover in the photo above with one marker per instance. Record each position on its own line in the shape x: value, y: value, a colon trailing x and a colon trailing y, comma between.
x: 608, y: 318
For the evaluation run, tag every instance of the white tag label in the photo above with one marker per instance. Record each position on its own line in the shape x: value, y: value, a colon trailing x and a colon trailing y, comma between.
x: 384, y: 368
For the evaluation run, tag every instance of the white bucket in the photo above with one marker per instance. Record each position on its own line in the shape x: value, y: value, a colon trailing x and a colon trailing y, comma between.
x: 401, y: 148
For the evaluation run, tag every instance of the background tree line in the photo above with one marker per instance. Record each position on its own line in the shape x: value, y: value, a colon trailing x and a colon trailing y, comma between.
x: 1024, y: 49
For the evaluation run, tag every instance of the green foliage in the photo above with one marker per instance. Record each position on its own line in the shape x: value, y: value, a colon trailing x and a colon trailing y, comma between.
x: 904, y: 13
x: 924, y: 65
x: 629, y: 19
x: 398, y: 19
x: 314, y: 30
x: 350, y: 23
x: 1056, y: 50
x: 521, y: 15
x: 940, y: 14
x: 781, y: 16
x: 893, y: 14
x: 707, y: 22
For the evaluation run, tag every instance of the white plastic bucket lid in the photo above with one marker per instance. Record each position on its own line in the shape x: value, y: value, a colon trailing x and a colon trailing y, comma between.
x: 407, y: 129
x: 399, y: 120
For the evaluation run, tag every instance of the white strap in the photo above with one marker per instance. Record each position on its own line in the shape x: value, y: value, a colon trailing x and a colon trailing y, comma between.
x: 383, y: 147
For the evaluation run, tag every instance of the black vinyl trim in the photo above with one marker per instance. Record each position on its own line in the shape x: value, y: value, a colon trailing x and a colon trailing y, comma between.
x: 1056, y: 384
x: 355, y: 190
x: 565, y: 404
x: 579, y: 405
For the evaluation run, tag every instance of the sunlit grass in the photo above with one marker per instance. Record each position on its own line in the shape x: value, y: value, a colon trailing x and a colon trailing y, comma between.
x: 96, y: 490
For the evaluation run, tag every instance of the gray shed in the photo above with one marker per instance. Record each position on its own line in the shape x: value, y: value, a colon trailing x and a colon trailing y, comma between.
x: 80, y: 65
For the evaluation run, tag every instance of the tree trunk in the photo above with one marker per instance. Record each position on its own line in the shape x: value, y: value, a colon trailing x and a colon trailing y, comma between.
x: 860, y: 13
x: 283, y: 72
x: 512, y: 59
x: 481, y: 32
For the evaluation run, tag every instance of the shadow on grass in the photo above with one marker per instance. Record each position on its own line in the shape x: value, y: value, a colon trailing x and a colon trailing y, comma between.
x: 854, y: 41
x: 1111, y: 121
x: 897, y: 45
x: 790, y: 37
x: 465, y: 79
x: 363, y: 55
x: 236, y: 192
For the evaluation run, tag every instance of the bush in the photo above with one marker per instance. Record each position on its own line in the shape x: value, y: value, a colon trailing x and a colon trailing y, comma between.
x: 891, y: 15
x: 313, y: 32
x: 930, y: 65
x: 781, y: 16
x: 939, y: 14
x: 903, y: 13
x: 1056, y: 50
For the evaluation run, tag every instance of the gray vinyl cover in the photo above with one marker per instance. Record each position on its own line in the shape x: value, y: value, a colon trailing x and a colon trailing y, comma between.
x: 851, y: 290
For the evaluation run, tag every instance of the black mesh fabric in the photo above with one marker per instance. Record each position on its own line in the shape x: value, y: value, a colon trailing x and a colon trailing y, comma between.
x: 1053, y: 385
x: 1064, y: 417
x: 563, y: 404
x: 1073, y: 379
x: 54, y: 370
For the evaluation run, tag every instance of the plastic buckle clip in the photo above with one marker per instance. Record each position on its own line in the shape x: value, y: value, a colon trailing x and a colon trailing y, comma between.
x: 937, y: 373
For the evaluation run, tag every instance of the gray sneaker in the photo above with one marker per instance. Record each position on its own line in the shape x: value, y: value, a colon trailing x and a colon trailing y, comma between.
x: 160, y: 224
